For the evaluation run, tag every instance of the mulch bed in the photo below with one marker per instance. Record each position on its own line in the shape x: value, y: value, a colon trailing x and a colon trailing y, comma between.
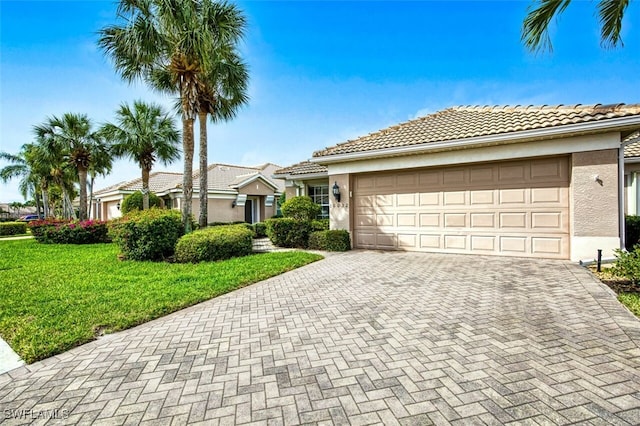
x: 617, y: 284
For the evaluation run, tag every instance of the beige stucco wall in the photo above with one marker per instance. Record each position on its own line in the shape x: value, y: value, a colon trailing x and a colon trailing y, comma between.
x: 339, y: 212
x: 256, y: 188
x: 594, y: 203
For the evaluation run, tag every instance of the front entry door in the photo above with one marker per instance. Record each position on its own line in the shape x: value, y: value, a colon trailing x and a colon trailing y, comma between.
x: 248, y: 211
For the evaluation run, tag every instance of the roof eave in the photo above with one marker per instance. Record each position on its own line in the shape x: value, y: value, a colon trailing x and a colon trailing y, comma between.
x: 619, y: 124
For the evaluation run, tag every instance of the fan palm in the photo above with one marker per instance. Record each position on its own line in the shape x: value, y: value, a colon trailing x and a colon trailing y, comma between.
x: 72, y: 138
x: 223, y: 92
x: 19, y: 167
x: 535, y: 29
x: 144, y: 133
x: 176, y: 38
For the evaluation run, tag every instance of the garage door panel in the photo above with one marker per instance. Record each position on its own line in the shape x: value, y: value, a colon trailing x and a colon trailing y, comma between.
x: 483, y: 220
x: 430, y: 199
x: 483, y: 243
x: 518, y: 208
x: 407, y: 200
x: 455, y: 220
x: 406, y: 219
x: 486, y: 197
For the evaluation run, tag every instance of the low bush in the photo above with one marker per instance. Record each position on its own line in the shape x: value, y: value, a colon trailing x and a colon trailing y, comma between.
x: 301, y: 208
x: 288, y: 232
x: 133, y: 202
x: 336, y: 240
x: 259, y: 230
x: 628, y: 264
x: 56, y: 231
x: 215, y: 243
x: 632, y: 231
x: 13, y: 228
x: 148, y: 234
x: 320, y: 225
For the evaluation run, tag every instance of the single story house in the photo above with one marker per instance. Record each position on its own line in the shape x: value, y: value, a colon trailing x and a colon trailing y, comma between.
x: 235, y: 193
x: 529, y: 181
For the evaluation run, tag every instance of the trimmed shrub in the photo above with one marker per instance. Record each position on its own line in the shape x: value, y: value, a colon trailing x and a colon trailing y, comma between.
x: 628, y: 264
x: 216, y: 243
x: 13, y: 228
x: 336, y: 240
x: 288, y: 232
x: 147, y: 234
x: 55, y: 231
x: 632, y: 231
x: 134, y: 200
x: 259, y: 230
x: 320, y: 225
x: 301, y: 208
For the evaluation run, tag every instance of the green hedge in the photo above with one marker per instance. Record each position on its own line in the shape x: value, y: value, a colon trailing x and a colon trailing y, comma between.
x: 134, y: 201
x: 336, y: 240
x: 216, y: 243
x: 301, y: 208
x: 320, y: 225
x: 632, y: 231
x: 13, y: 228
x: 627, y: 264
x: 148, y: 234
x: 288, y: 232
x: 259, y: 230
x: 56, y: 231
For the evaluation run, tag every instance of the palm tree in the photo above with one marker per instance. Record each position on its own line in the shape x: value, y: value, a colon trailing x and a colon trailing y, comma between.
x: 180, y: 39
x: 223, y: 92
x: 71, y: 136
x: 101, y: 164
x: 33, y: 180
x: 144, y: 134
x: 535, y: 29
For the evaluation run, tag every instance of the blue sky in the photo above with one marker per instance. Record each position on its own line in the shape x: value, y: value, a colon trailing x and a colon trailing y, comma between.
x: 321, y: 72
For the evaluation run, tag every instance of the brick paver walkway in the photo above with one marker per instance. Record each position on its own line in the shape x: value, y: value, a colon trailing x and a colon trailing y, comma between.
x: 360, y: 338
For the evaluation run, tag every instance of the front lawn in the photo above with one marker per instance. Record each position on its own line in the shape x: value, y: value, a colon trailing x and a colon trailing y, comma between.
x: 55, y: 297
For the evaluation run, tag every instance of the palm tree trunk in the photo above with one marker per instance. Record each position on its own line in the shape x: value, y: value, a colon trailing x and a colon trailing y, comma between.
x: 91, y: 182
x: 82, y: 177
x: 45, y: 202
x: 187, y: 178
x: 204, y: 185
x: 145, y: 188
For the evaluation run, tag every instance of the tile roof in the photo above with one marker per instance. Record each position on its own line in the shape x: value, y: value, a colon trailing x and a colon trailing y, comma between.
x: 302, y: 168
x: 633, y: 148
x: 158, y: 182
x: 221, y: 177
x: 473, y: 121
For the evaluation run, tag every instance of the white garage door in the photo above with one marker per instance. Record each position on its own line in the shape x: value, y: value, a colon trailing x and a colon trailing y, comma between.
x: 518, y: 208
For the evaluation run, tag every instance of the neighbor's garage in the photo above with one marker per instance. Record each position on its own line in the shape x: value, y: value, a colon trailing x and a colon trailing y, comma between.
x: 517, y: 208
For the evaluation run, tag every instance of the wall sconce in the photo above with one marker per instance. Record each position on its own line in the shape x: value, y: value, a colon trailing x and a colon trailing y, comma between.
x: 336, y: 191
x: 118, y: 205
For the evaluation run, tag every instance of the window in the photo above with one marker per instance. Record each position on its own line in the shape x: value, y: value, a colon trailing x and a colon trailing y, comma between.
x: 320, y: 195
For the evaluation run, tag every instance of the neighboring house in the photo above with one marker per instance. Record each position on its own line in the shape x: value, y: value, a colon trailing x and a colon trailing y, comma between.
x: 536, y: 181
x: 235, y: 193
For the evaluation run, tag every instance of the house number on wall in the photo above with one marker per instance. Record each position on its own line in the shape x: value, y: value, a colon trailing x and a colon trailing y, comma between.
x: 340, y: 205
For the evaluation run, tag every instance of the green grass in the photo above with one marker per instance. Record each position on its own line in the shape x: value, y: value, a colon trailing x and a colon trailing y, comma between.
x: 631, y: 301
x: 55, y: 297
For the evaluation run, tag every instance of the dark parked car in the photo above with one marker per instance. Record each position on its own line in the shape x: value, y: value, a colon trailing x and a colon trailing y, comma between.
x: 28, y: 218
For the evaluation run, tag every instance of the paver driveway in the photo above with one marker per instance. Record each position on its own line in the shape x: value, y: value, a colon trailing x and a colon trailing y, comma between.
x: 362, y: 337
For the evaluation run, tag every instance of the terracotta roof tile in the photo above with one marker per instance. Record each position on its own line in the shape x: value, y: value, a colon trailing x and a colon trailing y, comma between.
x: 633, y: 148
x: 473, y: 121
x: 302, y: 168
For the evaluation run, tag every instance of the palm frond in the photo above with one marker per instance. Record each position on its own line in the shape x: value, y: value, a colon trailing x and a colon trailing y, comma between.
x: 611, y: 13
x: 535, y: 28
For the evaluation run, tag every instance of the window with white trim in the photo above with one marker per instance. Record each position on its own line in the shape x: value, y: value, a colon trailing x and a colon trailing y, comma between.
x: 320, y: 195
